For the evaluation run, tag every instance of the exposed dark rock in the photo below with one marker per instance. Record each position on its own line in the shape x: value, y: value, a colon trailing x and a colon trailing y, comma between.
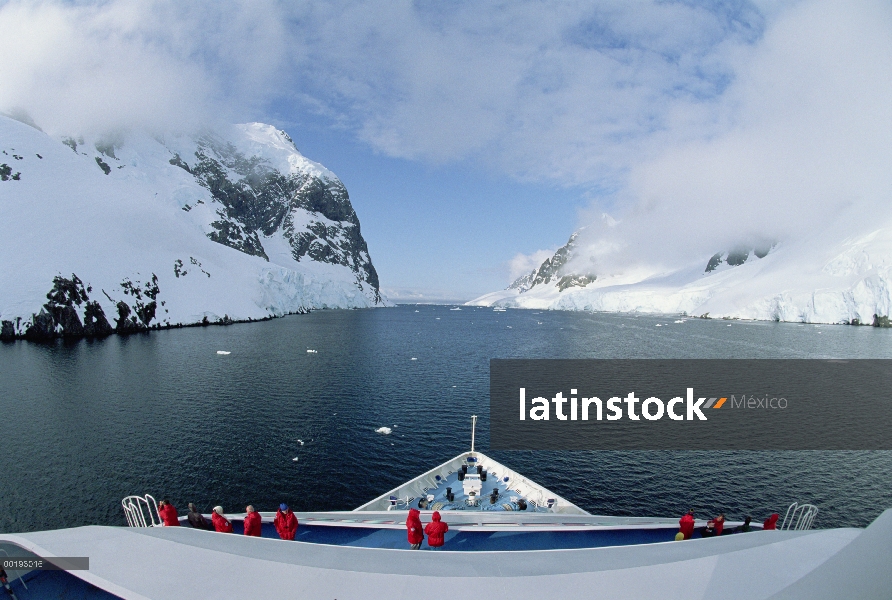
x: 179, y: 162
x: 41, y: 328
x: 568, y: 281
x: 103, y: 165
x: 881, y: 321
x: 107, y: 148
x: 262, y: 200
x: 739, y: 254
x: 6, y: 173
x: 95, y: 322
x: 7, y: 331
x: 550, y: 270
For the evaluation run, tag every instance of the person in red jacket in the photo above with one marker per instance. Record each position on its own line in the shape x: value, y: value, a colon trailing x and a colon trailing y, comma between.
x: 221, y: 523
x: 413, y: 525
x: 285, y: 522
x: 436, y: 531
x: 686, y: 525
x: 252, y: 522
x: 771, y: 522
x: 168, y: 513
x: 719, y: 524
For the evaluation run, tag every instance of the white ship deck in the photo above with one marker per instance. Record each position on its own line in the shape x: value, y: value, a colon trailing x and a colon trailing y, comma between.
x: 169, y: 562
x: 473, y: 481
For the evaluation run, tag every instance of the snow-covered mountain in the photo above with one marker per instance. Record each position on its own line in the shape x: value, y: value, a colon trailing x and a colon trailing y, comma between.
x: 120, y: 234
x: 842, y: 274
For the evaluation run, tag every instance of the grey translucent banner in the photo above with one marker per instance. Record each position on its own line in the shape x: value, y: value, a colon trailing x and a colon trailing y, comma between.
x: 691, y: 404
x: 37, y: 563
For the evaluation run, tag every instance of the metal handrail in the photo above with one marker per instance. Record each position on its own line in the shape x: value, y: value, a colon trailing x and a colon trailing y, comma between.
x: 135, y: 509
x: 799, y: 517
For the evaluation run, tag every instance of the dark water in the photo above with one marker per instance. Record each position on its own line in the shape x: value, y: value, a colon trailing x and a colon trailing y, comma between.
x: 83, y: 424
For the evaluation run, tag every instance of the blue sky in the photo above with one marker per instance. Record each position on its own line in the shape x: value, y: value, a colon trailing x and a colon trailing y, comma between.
x: 475, y: 137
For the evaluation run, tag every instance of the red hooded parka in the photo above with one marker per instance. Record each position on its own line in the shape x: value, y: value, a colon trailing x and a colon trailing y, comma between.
x: 413, y: 526
x: 252, y: 524
x: 686, y: 525
x: 771, y: 522
x: 286, y: 524
x: 719, y: 525
x: 436, y: 531
x: 168, y: 514
x: 221, y: 524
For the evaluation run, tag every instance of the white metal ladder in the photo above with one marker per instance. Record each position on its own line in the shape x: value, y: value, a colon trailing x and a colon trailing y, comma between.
x: 137, y: 508
x: 799, y: 517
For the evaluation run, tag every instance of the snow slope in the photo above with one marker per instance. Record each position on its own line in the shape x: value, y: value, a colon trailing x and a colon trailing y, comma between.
x: 135, y: 221
x: 840, y: 275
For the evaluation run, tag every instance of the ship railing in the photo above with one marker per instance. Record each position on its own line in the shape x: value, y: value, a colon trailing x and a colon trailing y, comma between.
x: 141, y: 511
x: 799, y: 517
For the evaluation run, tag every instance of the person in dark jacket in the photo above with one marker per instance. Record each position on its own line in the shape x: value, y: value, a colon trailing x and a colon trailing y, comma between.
x: 686, y: 524
x: 252, y: 522
x: 168, y: 514
x: 221, y: 523
x: 197, y: 520
x: 745, y: 528
x: 771, y: 522
x: 436, y: 531
x: 413, y: 527
x: 285, y: 522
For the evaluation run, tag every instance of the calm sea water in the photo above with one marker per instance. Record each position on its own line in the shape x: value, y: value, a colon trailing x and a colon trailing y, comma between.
x: 85, y: 423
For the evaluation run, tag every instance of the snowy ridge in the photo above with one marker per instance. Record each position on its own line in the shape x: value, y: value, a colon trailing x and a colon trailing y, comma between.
x: 223, y: 226
x: 833, y: 276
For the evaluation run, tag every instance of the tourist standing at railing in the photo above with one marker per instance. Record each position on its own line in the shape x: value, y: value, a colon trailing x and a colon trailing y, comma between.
x: 415, y: 531
x: 285, y: 522
x: 436, y: 531
x: 719, y: 524
x: 168, y: 514
x: 686, y: 524
x: 221, y: 523
x: 252, y: 522
x: 197, y: 520
x: 771, y: 522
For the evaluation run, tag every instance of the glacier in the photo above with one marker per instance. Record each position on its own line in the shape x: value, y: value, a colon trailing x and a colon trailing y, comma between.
x: 137, y: 231
x: 839, y: 275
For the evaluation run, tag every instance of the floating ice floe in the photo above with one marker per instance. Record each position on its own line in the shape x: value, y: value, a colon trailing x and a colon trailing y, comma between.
x: 658, y: 325
x: 413, y: 358
x: 301, y: 442
x: 295, y: 459
x: 384, y: 430
x: 312, y: 352
x: 223, y: 352
x: 680, y: 321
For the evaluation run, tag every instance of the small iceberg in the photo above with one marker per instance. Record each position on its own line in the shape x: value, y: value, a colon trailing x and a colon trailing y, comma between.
x: 295, y: 459
x: 456, y: 308
x: 312, y: 352
x: 413, y: 358
x: 301, y: 442
x: 658, y: 325
x: 680, y: 321
x: 384, y: 430
x: 223, y: 352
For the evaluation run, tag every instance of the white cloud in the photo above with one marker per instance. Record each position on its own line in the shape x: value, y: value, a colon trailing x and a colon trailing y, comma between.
x: 806, y: 145
x: 154, y: 63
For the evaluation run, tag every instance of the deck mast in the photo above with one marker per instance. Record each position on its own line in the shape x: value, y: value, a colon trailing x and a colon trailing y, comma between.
x: 473, y: 429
